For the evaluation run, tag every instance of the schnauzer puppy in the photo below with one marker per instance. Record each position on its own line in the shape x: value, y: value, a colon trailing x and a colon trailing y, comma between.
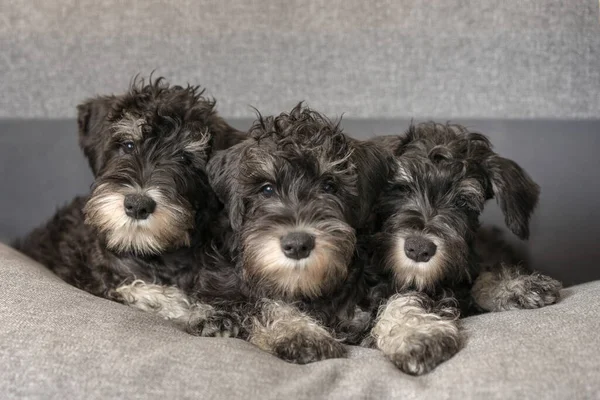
x: 151, y: 213
x: 296, y: 191
x: 426, y: 252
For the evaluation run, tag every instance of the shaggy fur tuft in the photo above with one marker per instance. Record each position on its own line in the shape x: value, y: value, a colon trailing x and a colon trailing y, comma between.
x: 415, y: 333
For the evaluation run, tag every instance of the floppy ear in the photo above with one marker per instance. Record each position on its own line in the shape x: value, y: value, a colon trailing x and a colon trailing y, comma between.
x: 373, y: 165
x: 91, y: 120
x: 516, y: 193
x: 222, y: 172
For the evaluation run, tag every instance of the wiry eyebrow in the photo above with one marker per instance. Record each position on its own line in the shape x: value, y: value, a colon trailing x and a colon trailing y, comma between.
x: 470, y: 186
x: 128, y: 127
x: 258, y: 166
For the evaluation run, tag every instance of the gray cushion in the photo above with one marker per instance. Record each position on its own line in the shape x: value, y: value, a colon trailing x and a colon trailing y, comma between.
x: 59, y: 342
x: 467, y: 58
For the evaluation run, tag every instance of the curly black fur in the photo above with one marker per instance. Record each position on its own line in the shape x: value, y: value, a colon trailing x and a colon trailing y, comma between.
x: 428, y: 226
x: 298, y: 173
x: 153, y: 141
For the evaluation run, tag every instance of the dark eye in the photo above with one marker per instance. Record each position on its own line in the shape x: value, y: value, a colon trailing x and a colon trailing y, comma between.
x: 462, y: 202
x: 128, y: 147
x: 328, y: 187
x: 267, y: 190
x: 183, y: 158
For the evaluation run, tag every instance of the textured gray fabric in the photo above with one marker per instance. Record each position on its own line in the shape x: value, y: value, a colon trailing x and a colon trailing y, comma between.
x: 43, y: 168
x: 57, y: 342
x: 385, y: 58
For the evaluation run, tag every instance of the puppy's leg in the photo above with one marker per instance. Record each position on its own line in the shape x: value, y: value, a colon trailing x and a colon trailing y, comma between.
x: 507, y: 287
x: 415, y: 334
x: 285, y: 331
x: 503, y: 285
x: 167, y: 302
x: 218, y: 322
x: 172, y: 304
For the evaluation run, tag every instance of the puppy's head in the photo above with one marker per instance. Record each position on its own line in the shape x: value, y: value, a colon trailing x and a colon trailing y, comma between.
x: 148, y: 151
x: 294, y: 196
x: 429, y: 212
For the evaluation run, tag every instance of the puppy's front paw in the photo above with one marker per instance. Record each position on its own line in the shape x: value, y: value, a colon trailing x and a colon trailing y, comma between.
x: 216, y: 324
x: 538, y: 291
x: 508, y: 289
x: 303, y: 348
x: 422, y: 352
x: 292, y: 335
x: 413, y: 337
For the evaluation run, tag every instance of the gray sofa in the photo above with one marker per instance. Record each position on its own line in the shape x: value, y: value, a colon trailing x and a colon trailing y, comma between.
x: 524, y: 72
x: 59, y: 342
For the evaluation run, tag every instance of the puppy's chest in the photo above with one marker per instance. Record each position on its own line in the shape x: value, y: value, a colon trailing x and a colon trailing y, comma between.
x: 167, y: 269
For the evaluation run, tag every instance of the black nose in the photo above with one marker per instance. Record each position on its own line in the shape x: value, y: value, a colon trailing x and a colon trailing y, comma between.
x: 297, y: 245
x: 419, y: 249
x: 139, y: 206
